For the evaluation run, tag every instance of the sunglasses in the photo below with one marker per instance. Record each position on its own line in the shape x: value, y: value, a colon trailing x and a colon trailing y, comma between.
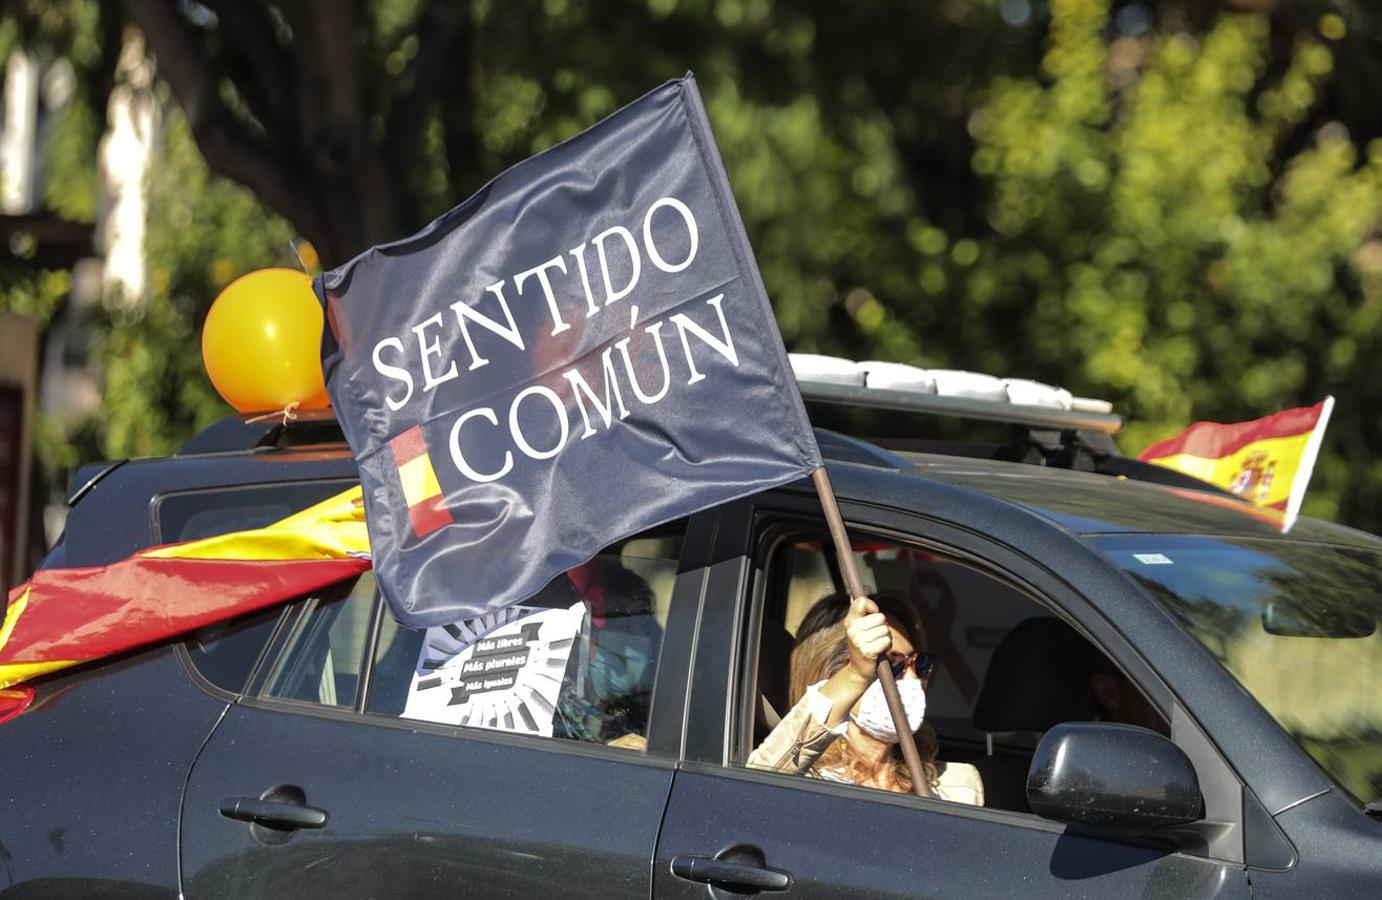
x: 921, y: 663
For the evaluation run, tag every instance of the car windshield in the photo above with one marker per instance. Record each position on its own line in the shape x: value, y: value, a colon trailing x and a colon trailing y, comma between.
x: 1296, y: 624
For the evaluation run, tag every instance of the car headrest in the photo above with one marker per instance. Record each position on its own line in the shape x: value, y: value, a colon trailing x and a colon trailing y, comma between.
x: 1038, y: 677
x: 774, y: 671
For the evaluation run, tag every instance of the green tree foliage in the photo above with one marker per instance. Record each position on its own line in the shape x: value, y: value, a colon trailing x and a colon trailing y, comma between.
x: 82, y: 42
x: 1154, y: 236
x: 67, y: 33
x: 203, y: 232
x: 1168, y: 204
x: 69, y: 151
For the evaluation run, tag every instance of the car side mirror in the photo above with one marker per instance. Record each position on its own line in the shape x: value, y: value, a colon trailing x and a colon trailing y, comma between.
x: 1115, y: 777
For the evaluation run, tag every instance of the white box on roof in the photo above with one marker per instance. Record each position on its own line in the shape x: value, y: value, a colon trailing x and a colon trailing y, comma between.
x: 954, y: 383
x: 827, y: 369
x: 897, y: 377
x: 1034, y: 393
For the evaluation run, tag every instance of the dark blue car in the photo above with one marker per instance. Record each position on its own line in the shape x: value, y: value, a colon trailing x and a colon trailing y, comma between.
x: 315, y: 750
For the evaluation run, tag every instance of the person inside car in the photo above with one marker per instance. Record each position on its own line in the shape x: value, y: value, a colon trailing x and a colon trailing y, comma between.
x: 839, y: 727
x: 1044, y: 672
x: 608, y: 685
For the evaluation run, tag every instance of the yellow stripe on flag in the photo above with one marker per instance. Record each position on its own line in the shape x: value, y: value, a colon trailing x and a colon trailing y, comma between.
x: 419, y: 480
x: 1262, y: 471
x: 69, y: 616
x: 12, y: 616
x: 18, y: 673
x: 15, y: 673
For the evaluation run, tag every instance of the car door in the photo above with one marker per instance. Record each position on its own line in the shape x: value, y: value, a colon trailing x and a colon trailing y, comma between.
x: 317, y: 785
x: 810, y: 837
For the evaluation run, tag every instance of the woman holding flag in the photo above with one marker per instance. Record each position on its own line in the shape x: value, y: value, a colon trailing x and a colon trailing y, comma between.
x: 840, y: 728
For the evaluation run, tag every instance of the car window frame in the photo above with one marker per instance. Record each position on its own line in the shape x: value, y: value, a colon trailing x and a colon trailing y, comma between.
x: 716, y: 732
x: 308, y: 485
x: 181, y: 650
x: 666, y: 721
x: 272, y: 666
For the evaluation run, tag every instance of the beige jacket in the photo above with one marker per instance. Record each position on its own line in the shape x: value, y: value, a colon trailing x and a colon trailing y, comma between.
x: 798, y: 741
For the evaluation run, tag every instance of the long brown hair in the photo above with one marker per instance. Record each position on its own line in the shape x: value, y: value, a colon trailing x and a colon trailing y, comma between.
x: 822, y: 649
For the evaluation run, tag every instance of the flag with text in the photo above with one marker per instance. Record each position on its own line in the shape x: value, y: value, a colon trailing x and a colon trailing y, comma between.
x: 582, y: 350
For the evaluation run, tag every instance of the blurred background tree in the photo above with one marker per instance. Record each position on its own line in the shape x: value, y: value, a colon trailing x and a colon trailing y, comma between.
x: 1174, y: 205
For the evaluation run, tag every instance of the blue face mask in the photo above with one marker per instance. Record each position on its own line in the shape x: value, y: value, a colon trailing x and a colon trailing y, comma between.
x: 622, y: 662
x: 610, y: 695
x: 612, y: 675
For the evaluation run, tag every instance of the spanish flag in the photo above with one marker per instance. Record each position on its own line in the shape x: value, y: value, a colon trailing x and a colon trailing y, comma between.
x: 65, y: 616
x: 421, y: 490
x: 1267, y: 461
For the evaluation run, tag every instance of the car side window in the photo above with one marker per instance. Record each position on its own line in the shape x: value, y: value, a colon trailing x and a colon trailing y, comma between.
x: 225, y: 653
x: 322, y: 662
x: 191, y: 515
x: 1002, y: 669
x: 578, y: 661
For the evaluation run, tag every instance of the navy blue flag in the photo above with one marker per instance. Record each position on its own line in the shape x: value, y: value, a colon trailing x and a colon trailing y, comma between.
x: 581, y: 351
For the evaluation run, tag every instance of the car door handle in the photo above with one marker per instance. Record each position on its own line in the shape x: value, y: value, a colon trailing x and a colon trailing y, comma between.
x: 732, y: 875
x: 273, y: 813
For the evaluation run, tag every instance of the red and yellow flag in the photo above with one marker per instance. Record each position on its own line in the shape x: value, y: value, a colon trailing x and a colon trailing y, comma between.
x: 65, y: 616
x: 1267, y: 461
x: 421, y: 490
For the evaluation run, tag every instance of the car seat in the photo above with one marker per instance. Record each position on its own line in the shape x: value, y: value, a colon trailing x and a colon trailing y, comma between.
x: 1038, y: 677
x: 774, y: 679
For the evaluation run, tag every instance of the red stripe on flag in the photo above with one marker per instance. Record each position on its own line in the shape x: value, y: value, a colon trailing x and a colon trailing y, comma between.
x: 13, y: 702
x: 1211, y: 440
x: 429, y: 515
x: 89, y: 613
x: 338, y: 321
x: 408, y: 446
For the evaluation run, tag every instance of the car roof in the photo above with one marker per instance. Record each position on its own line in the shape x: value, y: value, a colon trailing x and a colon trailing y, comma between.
x: 962, y: 489
x: 1086, y: 503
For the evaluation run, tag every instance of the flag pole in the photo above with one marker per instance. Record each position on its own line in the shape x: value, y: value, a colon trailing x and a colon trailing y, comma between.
x: 855, y: 585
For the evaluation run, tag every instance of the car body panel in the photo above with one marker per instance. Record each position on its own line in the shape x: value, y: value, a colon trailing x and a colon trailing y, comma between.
x: 1338, y: 852
x: 1087, y: 503
x: 93, y: 775
x: 414, y: 812
x: 838, y: 842
x: 571, y: 816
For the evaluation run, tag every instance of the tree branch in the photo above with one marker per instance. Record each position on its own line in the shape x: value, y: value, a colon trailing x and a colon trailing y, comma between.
x: 330, y: 106
x: 229, y: 148
x: 100, y: 80
x: 440, y: 29
x: 261, y: 69
x: 461, y: 146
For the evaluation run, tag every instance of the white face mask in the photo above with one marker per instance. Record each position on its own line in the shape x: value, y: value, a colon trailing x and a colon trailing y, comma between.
x: 873, y: 716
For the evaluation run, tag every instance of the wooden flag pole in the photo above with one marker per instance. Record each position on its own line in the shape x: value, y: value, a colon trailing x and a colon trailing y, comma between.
x: 855, y: 585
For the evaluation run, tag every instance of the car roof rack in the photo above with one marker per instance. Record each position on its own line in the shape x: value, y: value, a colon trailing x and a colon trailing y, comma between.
x: 1046, y: 425
x: 975, y: 408
x: 1058, y: 431
x: 1051, y: 428
x: 237, y: 434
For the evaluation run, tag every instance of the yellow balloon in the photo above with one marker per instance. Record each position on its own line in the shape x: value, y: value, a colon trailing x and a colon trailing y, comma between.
x: 262, y: 342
